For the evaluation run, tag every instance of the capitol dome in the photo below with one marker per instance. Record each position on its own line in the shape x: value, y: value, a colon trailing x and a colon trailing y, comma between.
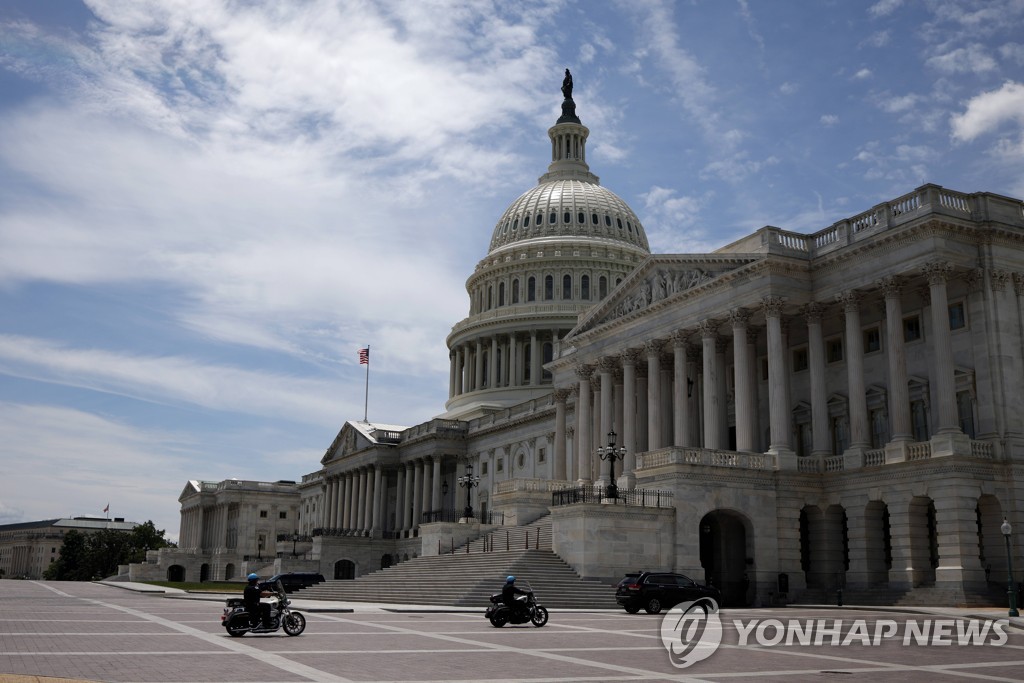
x: 556, y: 251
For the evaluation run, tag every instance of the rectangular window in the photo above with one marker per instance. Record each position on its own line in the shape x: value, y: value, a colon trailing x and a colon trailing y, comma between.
x: 483, y: 468
x: 957, y: 316
x: 911, y: 328
x: 501, y: 465
x: 872, y: 340
x: 834, y: 350
x: 540, y: 455
x: 263, y: 514
x: 282, y: 515
x: 799, y: 359
x: 919, y: 420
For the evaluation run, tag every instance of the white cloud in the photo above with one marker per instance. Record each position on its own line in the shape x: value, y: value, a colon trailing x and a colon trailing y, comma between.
x: 862, y: 74
x: 971, y: 59
x: 736, y: 168
x: 897, y: 104
x: 1012, y: 52
x: 884, y: 8
x: 878, y: 39
x: 671, y: 221
x: 989, y: 111
x: 789, y: 88
x: 828, y: 120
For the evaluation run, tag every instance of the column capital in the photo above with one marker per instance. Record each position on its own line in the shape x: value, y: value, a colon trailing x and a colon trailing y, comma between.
x: 653, y: 347
x: 1018, y: 283
x: 560, y: 394
x: 607, y: 364
x: 850, y: 299
x: 584, y: 372
x: 678, y: 338
x: 891, y: 286
x: 630, y: 356
x: 813, y: 312
x: 595, y: 383
x: 708, y: 328
x: 772, y: 306
x: 998, y: 280
x: 739, y: 317
x: 937, y: 272
x: 976, y: 280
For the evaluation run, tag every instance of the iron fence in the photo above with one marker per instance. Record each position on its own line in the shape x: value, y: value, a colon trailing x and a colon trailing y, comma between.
x: 599, y: 494
x: 452, y: 515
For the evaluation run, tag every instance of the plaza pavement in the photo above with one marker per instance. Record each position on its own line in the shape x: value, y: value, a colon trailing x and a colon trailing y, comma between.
x: 124, y: 633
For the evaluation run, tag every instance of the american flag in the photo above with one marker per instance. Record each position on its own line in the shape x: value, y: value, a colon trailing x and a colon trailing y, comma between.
x: 364, y: 356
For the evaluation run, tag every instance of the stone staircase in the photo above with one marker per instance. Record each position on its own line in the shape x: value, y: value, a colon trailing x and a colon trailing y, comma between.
x: 468, y: 579
x: 921, y: 596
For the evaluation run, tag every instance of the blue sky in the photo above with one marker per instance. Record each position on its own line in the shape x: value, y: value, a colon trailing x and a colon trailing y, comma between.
x: 207, y: 208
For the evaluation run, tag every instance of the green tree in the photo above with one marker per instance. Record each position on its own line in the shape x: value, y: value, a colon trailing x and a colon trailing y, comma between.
x: 88, y: 557
x: 72, y: 556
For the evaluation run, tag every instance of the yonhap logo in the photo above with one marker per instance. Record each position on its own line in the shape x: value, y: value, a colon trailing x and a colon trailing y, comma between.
x: 691, y: 632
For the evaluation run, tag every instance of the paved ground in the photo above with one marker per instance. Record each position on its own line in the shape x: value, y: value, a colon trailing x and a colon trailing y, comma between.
x: 101, y: 633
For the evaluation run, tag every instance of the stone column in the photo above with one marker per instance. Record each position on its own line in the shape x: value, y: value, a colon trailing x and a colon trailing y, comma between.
x: 407, y: 524
x: 820, y: 442
x: 513, y: 360
x: 428, y: 473
x: 478, y: 366
x: 559, y: 464
x: 693, y: 401
x: 1006, y: 340
x: 492, y: 364
x: 640, y: 435
x: 629, y: 359
x: 400, y: 504
x: 653, y: 350
x: 606, y: 368
x: 435, y: 494
x: 368, y: 501
x: 741, y: 371
x: 709, y: 335
x: 860, y: 434
x: 452, y: 360
x: 583, y: 424
x: 361, y: 502
x: 327, y: 520
x: 417, y: 495
x: 937, y: 273
x: 680, y: 400
x: 899, y: 396
x: 378, y: 493
x: 460, y: 375
x: 778, y: 408
x: 352, y: 503
x: 342, y: 498
x: 535, y: 359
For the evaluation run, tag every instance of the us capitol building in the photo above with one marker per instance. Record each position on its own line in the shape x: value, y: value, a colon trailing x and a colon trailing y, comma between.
x: 790, y: 413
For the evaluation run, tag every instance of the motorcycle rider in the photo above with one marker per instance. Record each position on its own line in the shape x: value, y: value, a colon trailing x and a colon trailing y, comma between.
x: 257, y: 610
x: 509, y: 592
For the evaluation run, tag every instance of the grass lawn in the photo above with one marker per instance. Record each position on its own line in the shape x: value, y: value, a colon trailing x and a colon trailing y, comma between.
x: 204, y: 587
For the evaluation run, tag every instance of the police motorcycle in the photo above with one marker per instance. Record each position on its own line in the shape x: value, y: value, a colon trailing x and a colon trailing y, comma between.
x: 526, y: 610
x: 236, y: 620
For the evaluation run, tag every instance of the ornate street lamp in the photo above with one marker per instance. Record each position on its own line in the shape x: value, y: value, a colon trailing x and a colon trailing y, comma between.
x: 468, y: 481
x: 1012, y: 594
x: 611, y: 454
x: 295, y: 538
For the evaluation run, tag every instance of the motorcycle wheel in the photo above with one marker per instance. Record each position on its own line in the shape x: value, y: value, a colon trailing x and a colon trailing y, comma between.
x: 237, y: 627
x: 498, y: 619
x: 294, y: 623
x: 540, y: 616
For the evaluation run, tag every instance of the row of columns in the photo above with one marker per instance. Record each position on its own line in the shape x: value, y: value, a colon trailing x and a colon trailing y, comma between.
x: 356, y: 500
x: 670, y: 414
x: 506, y: 360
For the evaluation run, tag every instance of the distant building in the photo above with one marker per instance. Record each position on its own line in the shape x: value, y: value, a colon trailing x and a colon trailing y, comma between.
x: 804, y: 411
x: 28, y: 548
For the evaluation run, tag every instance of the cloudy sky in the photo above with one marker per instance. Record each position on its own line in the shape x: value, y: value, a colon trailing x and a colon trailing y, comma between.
x: 207, y: 208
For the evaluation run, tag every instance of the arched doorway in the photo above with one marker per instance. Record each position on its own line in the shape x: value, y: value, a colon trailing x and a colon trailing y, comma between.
x: 204, y: 572
x: 724, y: 556
x: 385, y: 560
x: 176, y: 573
x: 229, y: 571
x: 344, y: 570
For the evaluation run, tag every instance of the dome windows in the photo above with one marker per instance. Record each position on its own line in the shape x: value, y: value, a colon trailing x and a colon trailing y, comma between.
x: 619, y: 221
x: 593, y: 218
x: 552, y: 218
x: 607, y: 221
x: 581, y: 217
x: 531, y: 289
x: 585, y: 287
x: 566, y: 217
x: 540, y: 220
x: 515, y: 291
x: 549, y: 288
x: 566, y: 287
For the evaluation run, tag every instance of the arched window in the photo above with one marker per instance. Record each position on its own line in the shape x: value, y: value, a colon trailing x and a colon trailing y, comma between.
x: 540, y: 220
x: 531, y: 289
x: 490, y: 297
x: 593, y: 218
x: 602, y: 287
x: 619, y: 222
x: 549, y: 288
x: 515, y: 291
x: 553, y: 217
x: 585, y: 287
x: 548, y: 353
x: 566, y: 217
x: 581, y: 217
x: 566, y: 287
x: 501, y: 293
x: 526, y: 221
x: 607, y: 220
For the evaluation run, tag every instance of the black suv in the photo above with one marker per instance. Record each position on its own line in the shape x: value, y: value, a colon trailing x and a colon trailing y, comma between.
x: 654, y: 591
x: 293, y: 581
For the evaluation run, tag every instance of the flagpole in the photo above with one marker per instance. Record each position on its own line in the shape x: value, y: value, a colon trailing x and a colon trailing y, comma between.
x: 366, y: 402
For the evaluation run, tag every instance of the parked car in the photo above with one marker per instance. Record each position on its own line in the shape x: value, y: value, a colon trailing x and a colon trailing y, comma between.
x: 293, y: 581
x: 655, y: 591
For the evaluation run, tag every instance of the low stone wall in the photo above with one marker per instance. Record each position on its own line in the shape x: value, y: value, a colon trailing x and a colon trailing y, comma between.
x: 604, y: 541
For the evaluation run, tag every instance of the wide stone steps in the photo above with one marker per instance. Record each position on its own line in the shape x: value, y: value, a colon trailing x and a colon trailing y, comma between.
x: 469, y: 580
x: 536, y: 535
x: 921, y: 596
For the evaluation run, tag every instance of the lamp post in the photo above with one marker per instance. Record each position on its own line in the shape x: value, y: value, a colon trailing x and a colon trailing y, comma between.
x: 295, y: 538
x: 468, y: 481
x: 1007, y: 530
x: 611, y: 454
x: 259, y: 548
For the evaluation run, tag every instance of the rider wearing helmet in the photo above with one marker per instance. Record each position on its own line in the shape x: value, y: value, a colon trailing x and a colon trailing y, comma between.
x: 509, y: 592
x: 257, y: 610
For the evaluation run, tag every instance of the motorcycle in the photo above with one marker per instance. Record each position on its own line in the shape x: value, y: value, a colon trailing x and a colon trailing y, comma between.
x: 527, y: 610
x: 237, y: 622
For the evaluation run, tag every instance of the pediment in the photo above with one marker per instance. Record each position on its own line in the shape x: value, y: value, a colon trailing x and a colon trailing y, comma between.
x: 658, y: 281
x: 348, y: 441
